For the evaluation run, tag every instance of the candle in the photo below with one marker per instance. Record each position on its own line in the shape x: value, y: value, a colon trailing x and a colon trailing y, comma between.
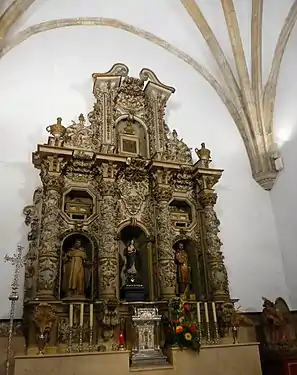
x: 71, y: 315
x: 81, y: 321
x: 206, y: 312
x: 121, y: 339
x: 91, y: 315
x: 198, y: 313
x: 214, y: 312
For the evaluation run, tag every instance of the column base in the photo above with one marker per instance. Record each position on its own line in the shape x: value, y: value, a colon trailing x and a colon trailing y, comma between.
x: 45, y: 296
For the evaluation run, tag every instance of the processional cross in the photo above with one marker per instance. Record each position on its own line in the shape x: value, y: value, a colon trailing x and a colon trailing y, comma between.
x: 18, y: 260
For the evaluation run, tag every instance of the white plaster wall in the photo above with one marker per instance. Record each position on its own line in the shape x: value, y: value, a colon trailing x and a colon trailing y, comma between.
x: 49, y: 75
x: 284, y: 193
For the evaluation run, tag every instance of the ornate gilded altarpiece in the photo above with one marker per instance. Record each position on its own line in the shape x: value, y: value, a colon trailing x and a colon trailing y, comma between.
x: 117, y: 183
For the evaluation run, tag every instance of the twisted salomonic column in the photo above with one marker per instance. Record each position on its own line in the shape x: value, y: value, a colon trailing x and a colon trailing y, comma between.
x: 166, y: 260
x: 218, y: 278
x: 108, y: 261
x: 49, y: 248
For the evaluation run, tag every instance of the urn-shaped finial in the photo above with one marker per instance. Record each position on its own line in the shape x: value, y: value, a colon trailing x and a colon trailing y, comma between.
x: 57, y: 130
x: 204, y: 158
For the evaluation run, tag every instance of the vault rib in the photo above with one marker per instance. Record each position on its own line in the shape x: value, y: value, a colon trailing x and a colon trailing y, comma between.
x: 256, y: 58
x: 270, y: 87
x: 240, y: 62
x: 11, y: 15
x: 195, y: 13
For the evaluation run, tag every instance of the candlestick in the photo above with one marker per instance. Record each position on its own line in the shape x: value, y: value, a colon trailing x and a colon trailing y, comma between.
x: 199, y: 330
x: 80, y: 345
x: 208, y: 340
x: 71, y: 315
x: 214, y: 312
x: 206, y: 312
x: 91, y: 315
x: 81, y: 321
x: 69, y: 349
x: 91, y: 340
x: 216, y: 332
x: 198, y: 313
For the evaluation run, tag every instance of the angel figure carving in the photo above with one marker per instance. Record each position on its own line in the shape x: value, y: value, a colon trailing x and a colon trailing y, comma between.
x: 277, y: 323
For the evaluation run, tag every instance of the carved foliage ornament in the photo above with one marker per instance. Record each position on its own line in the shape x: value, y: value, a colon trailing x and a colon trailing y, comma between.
x: 167, y: 273
x: 108, y: 271
x: 47, y: 275
x: 131, y: 95
x: 133, y: 185
x: 217, y: 269
x: 164, y: 231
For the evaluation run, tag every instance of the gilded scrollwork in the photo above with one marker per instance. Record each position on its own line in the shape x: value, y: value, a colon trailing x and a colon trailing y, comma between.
x: 79, y: 135
x: 44, y: 318
x: 131, y: 95
x: 176, y: 149
x: 183, y: 179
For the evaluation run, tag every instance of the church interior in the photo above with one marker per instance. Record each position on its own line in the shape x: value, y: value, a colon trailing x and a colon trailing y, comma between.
x: 147, y: 187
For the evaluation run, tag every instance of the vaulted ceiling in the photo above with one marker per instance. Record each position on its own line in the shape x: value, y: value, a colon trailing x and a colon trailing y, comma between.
x: 249, y: 100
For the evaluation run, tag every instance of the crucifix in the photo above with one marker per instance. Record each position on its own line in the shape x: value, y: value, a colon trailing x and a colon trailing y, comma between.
x: 18, y: 261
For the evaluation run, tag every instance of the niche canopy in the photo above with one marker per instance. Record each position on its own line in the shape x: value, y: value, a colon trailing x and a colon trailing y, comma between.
x: 120, y: 180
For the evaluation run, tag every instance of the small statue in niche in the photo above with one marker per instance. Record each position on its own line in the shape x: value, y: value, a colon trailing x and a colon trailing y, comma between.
x: 75, y: 276
x: 183, y: 268
x: 131, y: 254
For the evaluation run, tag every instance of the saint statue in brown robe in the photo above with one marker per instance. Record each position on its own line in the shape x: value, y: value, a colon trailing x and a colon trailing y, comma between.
x: 74, y: 272
x: 183, y: 268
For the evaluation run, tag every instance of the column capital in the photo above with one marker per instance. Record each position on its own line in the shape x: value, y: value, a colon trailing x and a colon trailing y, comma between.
x: 163, y: 193
x: 207, y: 178
x: 207, y: 198
x: 52, y: 181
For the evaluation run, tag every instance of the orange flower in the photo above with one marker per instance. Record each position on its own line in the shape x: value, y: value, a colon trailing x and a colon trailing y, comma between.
x: 179, y: 329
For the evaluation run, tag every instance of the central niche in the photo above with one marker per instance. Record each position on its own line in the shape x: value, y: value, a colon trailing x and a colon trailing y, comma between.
x: 132, y: 137
x: 134, y: 263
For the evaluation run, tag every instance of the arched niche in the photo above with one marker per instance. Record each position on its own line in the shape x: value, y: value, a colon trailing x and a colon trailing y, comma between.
x: 132, y: 138
x: 195, y: 279
x: 142, y: 259
x: 78, y: 267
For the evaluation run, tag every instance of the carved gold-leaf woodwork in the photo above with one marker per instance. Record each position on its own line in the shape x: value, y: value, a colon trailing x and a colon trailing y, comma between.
x: 93, y: 193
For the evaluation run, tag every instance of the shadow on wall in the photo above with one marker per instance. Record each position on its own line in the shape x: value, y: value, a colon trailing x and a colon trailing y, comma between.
x: 284, y: 205
x: 84, y: 90
x: 18, y: 181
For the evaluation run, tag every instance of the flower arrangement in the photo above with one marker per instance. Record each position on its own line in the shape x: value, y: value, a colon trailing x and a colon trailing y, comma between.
x: 182, y: 328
